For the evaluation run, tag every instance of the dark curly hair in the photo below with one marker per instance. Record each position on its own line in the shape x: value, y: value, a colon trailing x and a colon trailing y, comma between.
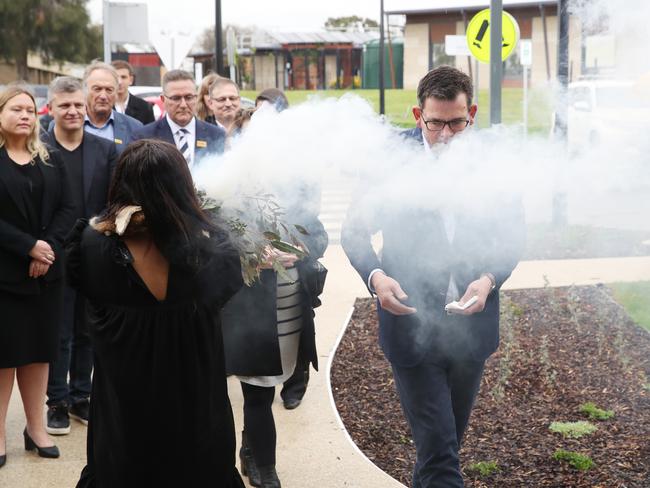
x: 445, y: 83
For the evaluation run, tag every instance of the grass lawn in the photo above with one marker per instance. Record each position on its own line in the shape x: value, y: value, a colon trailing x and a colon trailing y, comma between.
x: 634, y: 297
x: 400, y: 102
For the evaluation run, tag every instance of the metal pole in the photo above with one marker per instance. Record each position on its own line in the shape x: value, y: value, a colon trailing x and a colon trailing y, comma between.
x: 382, y: 105
x: 496, y: 64
x: 107, y: 40
x: 525, y: 101
x: 218, y: 40
x: 560, y: 204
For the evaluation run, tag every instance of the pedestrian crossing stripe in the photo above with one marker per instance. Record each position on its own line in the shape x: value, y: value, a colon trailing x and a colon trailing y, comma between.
x: 478, y: 35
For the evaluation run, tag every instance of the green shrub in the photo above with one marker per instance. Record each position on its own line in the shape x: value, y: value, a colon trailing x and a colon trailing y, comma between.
x: 573, y: 430
x: 578, y: 461
x: 483, y: 468
x: 594, y: 413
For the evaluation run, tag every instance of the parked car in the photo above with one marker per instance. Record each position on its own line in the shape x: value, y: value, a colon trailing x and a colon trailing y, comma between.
x: 601, y: 108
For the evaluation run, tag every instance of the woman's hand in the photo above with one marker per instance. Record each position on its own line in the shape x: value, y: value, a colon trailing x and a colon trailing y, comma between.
x: 286, y: 259
x: 38, y: 268
x: 42, y: 252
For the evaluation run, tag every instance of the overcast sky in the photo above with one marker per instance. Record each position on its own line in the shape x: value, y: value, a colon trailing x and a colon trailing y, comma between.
x: 273, y: 14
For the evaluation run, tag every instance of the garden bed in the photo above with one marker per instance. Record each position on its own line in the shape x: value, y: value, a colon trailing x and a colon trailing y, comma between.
x: 560, y: 348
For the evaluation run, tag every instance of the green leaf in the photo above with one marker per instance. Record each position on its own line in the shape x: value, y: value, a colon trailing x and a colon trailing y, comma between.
x: 286, y: 247
x: 301, y: 229
x: 271, y: 236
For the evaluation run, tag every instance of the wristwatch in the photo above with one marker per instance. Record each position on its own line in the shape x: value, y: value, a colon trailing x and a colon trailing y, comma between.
x: 493, y: 281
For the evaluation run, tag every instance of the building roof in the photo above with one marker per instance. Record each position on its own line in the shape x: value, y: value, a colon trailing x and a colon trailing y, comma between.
x: 427, y: 7
x: 275, y: 40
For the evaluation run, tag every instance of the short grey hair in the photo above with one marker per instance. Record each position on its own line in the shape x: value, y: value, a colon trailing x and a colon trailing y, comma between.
x: 97, y: 65
x: 63, y: 84
x: 176, y: 75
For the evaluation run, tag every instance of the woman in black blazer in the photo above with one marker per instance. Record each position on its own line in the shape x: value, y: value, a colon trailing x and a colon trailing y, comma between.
x: 35, y: 216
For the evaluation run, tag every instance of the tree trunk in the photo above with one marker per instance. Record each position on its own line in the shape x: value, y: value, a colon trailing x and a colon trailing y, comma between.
x: 21, y: 65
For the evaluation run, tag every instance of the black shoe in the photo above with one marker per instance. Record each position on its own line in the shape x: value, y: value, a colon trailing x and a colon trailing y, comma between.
x: 80, y: 411
x: 291, y: 403
x: 269, y: 477
x: 58, y: 421
x: 3, y: 460
x: 247, y: 463
x: 45, y: 452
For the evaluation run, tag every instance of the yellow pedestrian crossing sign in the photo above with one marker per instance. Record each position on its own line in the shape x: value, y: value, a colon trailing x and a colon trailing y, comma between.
x: 478, y: 35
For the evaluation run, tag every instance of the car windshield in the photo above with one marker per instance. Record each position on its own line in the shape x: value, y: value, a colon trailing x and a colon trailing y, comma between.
x: 621, y: 97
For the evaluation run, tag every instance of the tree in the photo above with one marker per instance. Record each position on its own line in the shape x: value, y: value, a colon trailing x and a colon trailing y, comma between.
x: 56, y: 29
x: 353, y: 21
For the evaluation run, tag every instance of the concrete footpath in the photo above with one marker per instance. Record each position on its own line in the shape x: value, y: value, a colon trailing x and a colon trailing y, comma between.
x: 314, y: 450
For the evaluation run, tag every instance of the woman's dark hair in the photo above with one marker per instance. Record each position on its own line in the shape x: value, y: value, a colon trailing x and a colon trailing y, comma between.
x: 154, y: 175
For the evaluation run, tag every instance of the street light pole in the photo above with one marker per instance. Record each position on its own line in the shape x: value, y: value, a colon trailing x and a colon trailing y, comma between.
x: 218, y: 55
x: 107, y: 38
x: 382, y: 108
x: 496, y: 64
x: 560, y: 203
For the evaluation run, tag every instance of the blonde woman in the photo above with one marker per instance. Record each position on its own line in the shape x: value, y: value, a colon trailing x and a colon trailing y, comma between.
x: 35, y: 216
x: 203, y: 106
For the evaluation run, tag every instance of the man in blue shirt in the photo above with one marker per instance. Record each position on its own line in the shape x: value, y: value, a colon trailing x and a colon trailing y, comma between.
x: 100, y: 85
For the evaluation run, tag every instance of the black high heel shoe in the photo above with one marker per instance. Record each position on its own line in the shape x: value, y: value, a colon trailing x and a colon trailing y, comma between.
x: 51, y: 452
x: 269, y: 477
x: 3, y: 460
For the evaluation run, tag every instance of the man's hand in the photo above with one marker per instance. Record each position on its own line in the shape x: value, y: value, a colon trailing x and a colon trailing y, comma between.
x: 37, y: 268
x: 480, y: 288
x: 42, y: 252
x: 390, y: 295
x: 286, y: 259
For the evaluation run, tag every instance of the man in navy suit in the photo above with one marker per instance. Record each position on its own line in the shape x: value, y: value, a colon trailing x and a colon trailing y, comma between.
x: 194, y: 138
x: 430, y: 258
x: 89, y: 161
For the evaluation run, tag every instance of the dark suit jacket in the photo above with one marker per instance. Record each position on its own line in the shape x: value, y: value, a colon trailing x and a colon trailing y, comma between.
x: 18, y: 234
x: 417, y: 253
x: 139, y: 109
x: 210, y: 139
x: 99, y: 160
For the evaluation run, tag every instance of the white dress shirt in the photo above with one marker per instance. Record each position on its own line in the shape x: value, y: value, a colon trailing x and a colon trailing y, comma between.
x: 190, y: 136
x: 449, y: 222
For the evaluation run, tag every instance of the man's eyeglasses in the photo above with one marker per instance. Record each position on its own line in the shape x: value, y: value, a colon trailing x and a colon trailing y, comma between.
x: 455, y: 125
x: 179, y: 98
x: 224, y: 99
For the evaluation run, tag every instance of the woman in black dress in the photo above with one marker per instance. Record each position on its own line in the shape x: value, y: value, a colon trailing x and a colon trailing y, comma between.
x: 35, y: 216
x: 156, y: 272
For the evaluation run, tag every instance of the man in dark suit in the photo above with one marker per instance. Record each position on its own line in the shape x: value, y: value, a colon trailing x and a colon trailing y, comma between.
x: 127, y: 103
x: 430, y: 258
x: 89, y: 161
x: 194, y: 138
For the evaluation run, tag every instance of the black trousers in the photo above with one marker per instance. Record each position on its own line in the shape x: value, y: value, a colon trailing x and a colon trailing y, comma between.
x: 437, y: 397
x: 75, y: 355
x: 296, y: 385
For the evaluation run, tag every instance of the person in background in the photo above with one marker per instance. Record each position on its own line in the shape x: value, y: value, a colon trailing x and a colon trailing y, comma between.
x: 430, y: 259
x: 225, y: 101
x: 89, y: 161
x: 203, y: 104
x: 156, y: 271
x: 35, y: 215
x: 125, y: 102
x: 100, y: 85
x: 269, y: 333
x: 295, y: 387
x: 194, y: 138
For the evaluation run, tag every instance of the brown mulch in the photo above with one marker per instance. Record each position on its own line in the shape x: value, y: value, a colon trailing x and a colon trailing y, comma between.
x: 560, y: 348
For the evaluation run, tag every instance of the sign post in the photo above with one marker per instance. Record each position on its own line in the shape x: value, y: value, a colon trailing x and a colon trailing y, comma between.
x: 526, y: 58
x: 479, y: 41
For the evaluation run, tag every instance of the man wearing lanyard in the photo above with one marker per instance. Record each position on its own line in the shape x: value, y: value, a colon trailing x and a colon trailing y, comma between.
x: 433, y: 259
x: 194, y: 138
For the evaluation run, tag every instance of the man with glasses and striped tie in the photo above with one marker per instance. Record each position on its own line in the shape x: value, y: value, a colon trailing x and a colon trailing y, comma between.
x: 194, y: 138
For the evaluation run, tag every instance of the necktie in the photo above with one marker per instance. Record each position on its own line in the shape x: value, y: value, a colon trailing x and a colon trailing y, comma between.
x: 183, y: 145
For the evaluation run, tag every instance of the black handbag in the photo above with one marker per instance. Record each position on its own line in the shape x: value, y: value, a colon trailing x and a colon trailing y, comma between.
x: 313, y: 275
